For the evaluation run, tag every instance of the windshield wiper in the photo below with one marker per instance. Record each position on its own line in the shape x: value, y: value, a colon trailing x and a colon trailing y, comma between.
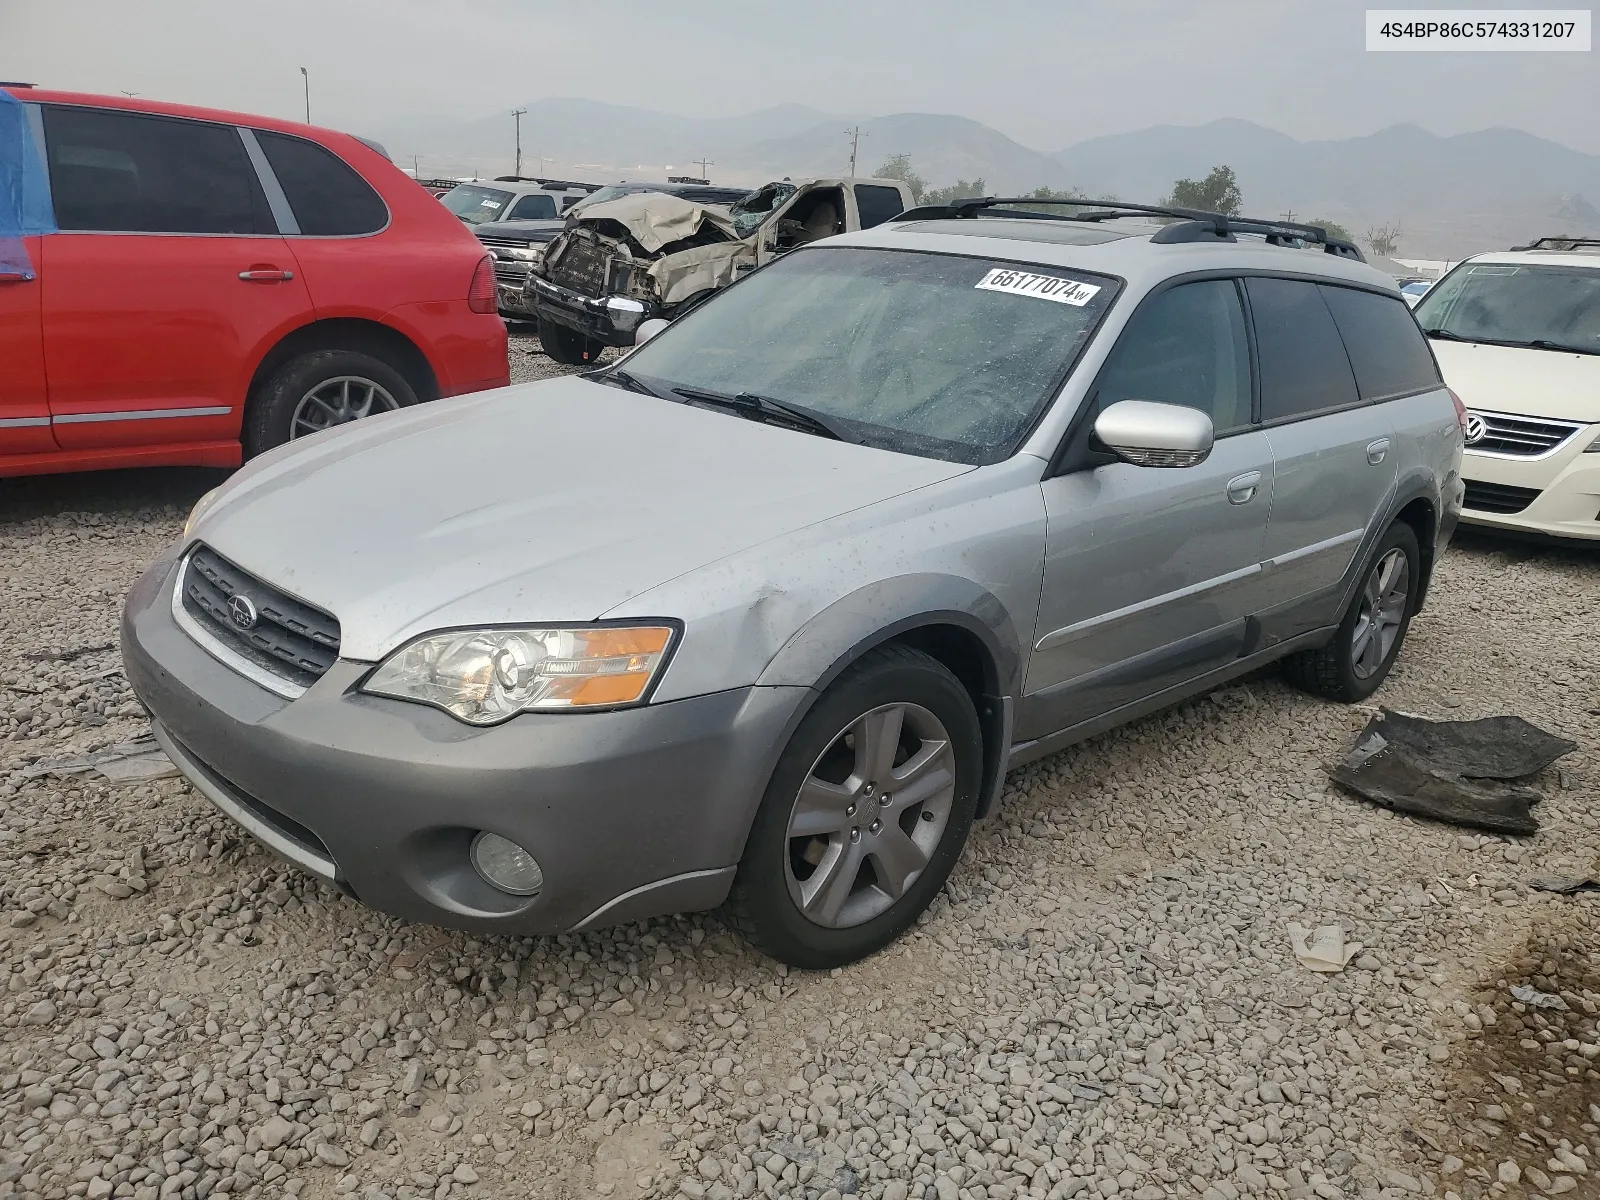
x: 1446, y: 335
x: 617, y: 377
x: 1547, y: 344
x: 764, y: 408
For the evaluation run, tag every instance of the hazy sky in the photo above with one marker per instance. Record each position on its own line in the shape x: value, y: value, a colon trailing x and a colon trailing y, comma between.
x: 1046, y: 72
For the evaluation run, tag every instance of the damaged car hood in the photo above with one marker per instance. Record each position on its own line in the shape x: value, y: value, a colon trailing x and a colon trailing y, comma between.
x: 545, y: 502
x: 656, y: 220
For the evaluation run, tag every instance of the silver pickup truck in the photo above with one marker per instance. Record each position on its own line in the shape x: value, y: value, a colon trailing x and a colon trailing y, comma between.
x: 625, y: 261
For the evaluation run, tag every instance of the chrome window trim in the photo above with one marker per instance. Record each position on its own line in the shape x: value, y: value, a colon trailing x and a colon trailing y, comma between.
x: 282, y: 213
x: 222, y: 653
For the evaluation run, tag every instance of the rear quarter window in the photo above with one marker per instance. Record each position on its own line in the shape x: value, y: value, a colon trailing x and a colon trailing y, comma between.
x: 1304, y: 367
x: 328, y: 197
x: 1387, y: 351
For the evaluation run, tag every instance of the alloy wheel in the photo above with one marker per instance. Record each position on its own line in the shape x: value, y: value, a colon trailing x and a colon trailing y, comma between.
x: 338, y: 401
x: 869, y: 816
x: 1382, y: 612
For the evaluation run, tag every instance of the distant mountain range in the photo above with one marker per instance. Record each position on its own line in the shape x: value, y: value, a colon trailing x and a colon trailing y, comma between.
x: 1451, y: 195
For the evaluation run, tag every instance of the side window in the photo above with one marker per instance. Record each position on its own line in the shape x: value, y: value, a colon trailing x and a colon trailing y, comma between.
x: 1387, y: 350
x: 534, y: 208
x: 877, y: 204
x: 1187, y: 345
x: 1304, y: 368
x: 121, y: 172
x: 328, y: 198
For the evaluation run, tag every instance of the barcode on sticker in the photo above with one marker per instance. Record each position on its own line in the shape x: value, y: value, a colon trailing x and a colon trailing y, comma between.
x: 1045, y: 287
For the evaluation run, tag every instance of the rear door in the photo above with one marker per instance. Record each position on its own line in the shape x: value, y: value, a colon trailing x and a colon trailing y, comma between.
x: 334, y: 218
x: 1334, y: 451
x: 1151, y: 573
x: 165, y: 283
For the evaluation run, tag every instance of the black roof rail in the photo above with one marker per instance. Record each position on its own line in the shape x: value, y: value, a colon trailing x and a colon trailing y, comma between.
x: 1561, y: 243
x: 1190, y: 224
x: 559, y: 185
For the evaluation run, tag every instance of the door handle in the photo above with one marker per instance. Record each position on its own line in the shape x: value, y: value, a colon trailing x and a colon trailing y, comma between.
x: 16, y: 276
x: 1242, y: 488
x: 265, y: 275
x: 1377, y: 450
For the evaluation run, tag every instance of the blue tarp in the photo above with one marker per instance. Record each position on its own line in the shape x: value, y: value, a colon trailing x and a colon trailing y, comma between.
x: 24, y: 188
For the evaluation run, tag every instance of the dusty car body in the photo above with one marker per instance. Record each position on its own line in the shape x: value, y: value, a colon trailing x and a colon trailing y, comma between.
x: 649, y: 255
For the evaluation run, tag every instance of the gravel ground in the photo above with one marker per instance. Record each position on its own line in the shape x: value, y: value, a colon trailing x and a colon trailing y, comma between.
x: 1102, y: 1003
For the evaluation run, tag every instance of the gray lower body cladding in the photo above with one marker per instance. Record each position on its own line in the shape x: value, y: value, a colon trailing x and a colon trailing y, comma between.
x: 631, y: 814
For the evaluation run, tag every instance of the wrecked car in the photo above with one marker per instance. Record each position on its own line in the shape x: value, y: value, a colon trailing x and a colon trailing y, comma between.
x: 648, y: 255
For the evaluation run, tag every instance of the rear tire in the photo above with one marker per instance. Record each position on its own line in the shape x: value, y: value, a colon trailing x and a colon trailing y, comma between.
x: 568, y: 346
x: 1358, y: 659
x: 865, y: 815
x: 308, y: 393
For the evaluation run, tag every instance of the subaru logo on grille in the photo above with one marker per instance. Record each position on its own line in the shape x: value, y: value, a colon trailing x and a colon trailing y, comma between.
x: 1477, y: 429
x: 242, y: 613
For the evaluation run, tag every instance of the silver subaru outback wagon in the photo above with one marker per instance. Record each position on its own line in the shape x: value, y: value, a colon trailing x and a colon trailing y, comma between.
x: 761, y: 615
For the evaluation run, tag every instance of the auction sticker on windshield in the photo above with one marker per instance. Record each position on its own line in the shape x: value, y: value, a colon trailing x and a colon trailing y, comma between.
x: 1045, y: 287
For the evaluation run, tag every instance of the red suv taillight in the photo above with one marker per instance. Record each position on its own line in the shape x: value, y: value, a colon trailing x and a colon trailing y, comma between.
x: 480, y: 293
x: 1461, y: 409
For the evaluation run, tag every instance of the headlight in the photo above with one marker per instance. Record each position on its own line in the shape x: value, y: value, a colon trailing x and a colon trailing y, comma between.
x: 198, y: 511
x: 485, y: 676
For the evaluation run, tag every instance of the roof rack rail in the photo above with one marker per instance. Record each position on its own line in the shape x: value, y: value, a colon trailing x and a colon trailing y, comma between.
x: 556, y: 184
x: 1561, y: 243
x: 1191, y: 224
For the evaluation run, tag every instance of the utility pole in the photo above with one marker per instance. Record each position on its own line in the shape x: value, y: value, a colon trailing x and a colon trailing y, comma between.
x: 416, y: 167
x: 855, y: 144
x: 307, y: 77
x: 518, y: 113
x: 703, y: 163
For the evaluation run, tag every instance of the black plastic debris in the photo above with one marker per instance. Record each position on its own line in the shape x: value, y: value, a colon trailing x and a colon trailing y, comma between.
x: 1566, y: 885
x: 1455, y: 771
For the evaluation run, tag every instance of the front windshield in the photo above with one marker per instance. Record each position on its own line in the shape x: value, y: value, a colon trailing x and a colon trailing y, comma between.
x: 601, y: 195
x: 476, y: 205
x: 1517, y: 304
x: 931, y: 354
x: 750, y: 213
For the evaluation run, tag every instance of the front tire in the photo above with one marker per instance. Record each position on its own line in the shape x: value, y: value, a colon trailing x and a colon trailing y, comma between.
x: 865, y: 815
x: 319, y: 390
x: 568, y: 346
x: 1358, y: 659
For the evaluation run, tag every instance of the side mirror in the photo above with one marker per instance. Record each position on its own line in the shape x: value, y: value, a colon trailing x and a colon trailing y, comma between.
x: 1148, y: 434
x: 648, y: 329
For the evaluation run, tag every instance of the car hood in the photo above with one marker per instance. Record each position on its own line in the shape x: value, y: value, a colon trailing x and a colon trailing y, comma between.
x: 553, y: 501
x: 522, y: 231
x: 1533, y: 383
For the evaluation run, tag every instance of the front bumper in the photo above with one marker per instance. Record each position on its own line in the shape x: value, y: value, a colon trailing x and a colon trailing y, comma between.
x: 1562, y: 492
x: 594, y: 317
x: 513, y: 300
x: 631, y: 814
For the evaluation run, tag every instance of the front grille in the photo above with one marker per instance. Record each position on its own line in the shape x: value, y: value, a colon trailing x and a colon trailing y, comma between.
x: 508, y: 270
x: 1498, y: 497
x: 581, y: 266
x: 1520, y: 437
x: 277, y: 632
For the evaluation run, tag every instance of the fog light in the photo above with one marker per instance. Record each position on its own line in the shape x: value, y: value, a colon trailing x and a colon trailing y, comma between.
x: 506, y: 865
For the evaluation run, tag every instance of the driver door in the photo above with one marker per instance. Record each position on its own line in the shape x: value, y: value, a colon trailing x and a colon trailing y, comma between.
x: 1151, y: 573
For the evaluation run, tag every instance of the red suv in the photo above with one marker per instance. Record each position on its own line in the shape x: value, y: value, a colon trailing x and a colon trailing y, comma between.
x: 219, y: 284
